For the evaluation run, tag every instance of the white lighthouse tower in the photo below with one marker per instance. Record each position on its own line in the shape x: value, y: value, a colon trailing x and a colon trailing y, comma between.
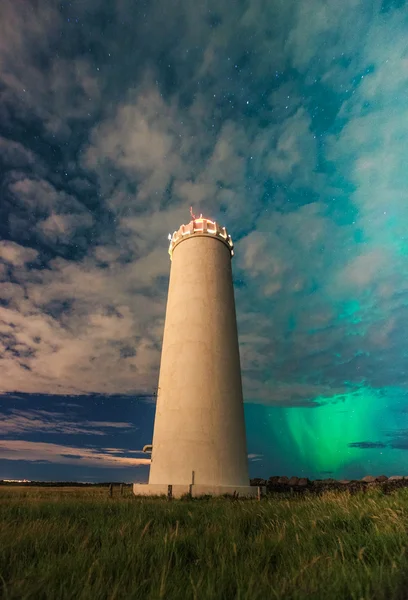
x: 199, y: 442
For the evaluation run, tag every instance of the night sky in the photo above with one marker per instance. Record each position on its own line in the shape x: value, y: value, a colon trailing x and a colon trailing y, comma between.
x: 285, y: 121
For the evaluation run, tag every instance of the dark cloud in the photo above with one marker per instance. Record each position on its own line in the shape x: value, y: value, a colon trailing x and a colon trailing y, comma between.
x: 367, y: 445
x: 399, y: 439
x: 17, y: 422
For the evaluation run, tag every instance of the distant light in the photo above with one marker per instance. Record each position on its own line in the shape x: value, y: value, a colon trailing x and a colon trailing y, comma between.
x: 17, y: 480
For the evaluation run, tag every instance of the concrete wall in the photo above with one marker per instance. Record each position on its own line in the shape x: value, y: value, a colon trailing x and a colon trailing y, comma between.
x: 199, y: 424
x: 140, y: 489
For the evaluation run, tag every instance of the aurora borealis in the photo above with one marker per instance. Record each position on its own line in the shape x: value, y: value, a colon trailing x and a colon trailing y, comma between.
x: 323, y: 440
x: 286, y: 122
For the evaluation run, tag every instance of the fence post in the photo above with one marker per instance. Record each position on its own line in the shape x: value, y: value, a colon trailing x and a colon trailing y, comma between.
x: 110, y: 490
x: 121, y: 489
x: 191, y: 484
x: 169, y: 492
x: 259, y: 492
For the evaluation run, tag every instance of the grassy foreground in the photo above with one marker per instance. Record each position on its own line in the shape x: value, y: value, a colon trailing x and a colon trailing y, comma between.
x: 67, y: 543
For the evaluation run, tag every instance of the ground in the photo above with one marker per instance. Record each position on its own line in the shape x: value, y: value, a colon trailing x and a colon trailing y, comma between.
x: 81, y: 543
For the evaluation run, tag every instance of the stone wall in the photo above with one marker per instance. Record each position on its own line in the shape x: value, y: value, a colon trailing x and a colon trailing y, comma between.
x: 302, y: 484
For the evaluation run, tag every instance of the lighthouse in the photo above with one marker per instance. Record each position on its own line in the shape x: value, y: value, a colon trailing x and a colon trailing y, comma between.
x: 199, y: 440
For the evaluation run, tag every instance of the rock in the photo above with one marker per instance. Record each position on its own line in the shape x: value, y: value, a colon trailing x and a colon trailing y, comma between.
x: 293, y: 481
x: 303, y: 482
x: 318, y: 486
x: 257, y: 481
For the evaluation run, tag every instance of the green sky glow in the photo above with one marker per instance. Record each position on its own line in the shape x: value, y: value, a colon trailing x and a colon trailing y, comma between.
x: 345, y: 436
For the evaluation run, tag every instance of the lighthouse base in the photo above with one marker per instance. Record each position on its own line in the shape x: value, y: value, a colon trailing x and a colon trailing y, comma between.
x: 195, y: 490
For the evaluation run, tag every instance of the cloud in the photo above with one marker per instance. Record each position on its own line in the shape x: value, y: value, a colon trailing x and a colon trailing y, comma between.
x: 59, y: 229
x: 44, y: 85
x: 399, y: 439
x: 15, y: 155
x: 367, y: 445
x: 61, y: 454
x: 42, y: 421
x: 268, y: 118
x: 16, y: 255
x: 143, y: 141
x: 76, y: 316
x: 255, y: 457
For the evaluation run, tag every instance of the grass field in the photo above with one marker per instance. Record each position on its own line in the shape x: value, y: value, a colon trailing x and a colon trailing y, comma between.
x: 73, y: 543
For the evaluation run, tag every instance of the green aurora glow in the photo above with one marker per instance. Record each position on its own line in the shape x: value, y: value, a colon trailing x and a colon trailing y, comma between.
x: 343, y: 436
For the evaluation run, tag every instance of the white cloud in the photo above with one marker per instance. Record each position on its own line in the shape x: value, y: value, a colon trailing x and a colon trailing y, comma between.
x: 60, y: 454
x: 77, y: 347
x: 59, y: 229
x: 143, y: 140
x: 15, y: 254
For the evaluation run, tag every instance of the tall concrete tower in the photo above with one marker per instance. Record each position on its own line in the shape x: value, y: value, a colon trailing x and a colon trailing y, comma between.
x: 199, y: 442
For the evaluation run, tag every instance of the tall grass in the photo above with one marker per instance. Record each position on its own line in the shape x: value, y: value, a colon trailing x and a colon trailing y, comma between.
x: 81, y: 544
